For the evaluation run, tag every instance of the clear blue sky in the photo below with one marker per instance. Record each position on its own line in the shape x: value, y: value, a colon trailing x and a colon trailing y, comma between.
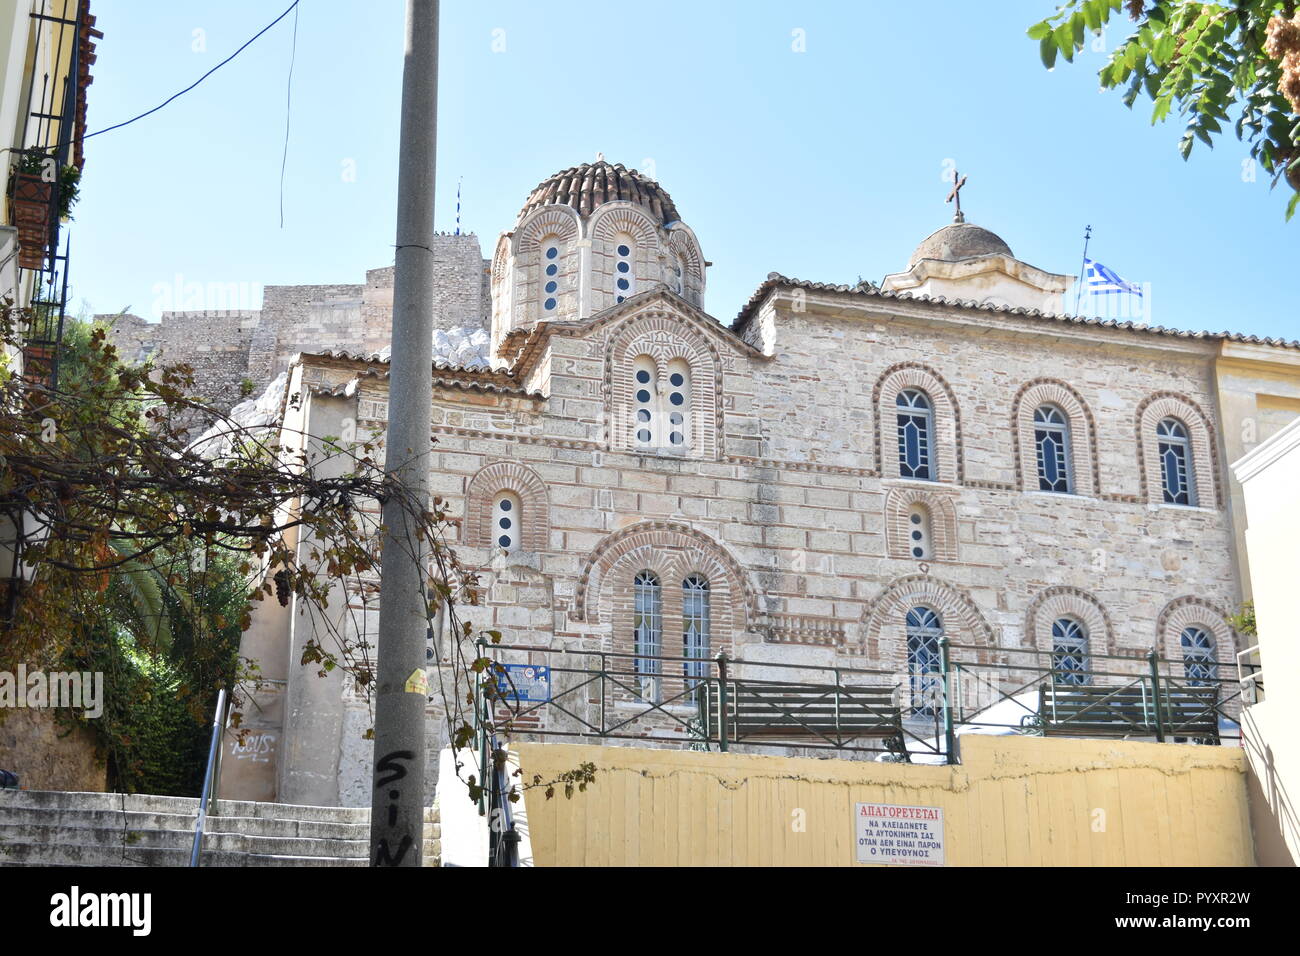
x: 825, y: 164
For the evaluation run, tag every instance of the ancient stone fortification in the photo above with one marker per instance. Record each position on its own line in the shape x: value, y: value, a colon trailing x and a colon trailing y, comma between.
x: 229, y: 349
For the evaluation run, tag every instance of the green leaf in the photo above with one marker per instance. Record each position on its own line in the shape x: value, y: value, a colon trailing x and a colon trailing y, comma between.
x: 1047, y: 50
x: 1039, y: 30
x: 1064, y: 41
x: 1291, y: 206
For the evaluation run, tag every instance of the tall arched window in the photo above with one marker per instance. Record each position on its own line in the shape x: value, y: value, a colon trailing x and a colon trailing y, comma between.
x: 507, y: 517
x: 915, y: 417
x: 647, y: 632
x: 1175, y: 450
x: 923, y: 633
x: 918, y: 532
x: 1052, y: 440
x: 678, y: 405
x: 645, y: 395
x: 624, y: 272
x: 1069, y: 652
x: 1198, y: 656
x: 550, y: 278
x: 695, y: 627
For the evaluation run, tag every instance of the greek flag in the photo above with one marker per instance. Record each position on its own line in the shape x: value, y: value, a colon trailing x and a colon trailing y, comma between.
x: 1105, y: 282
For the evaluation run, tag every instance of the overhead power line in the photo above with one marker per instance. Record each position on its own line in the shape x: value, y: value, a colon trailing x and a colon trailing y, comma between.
x: 169, y: 99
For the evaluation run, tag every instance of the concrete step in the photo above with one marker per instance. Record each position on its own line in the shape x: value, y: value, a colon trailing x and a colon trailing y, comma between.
x: 45, y: 828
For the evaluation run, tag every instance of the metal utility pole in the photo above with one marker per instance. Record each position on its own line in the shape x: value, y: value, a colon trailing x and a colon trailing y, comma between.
x: 397, y: 798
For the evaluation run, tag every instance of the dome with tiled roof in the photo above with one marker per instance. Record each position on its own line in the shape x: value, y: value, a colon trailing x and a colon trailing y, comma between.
x: 959, y: 240
x: 592, y: 184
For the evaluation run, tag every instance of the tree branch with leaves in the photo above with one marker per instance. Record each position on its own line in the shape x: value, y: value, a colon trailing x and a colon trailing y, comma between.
x: 1221, y: 64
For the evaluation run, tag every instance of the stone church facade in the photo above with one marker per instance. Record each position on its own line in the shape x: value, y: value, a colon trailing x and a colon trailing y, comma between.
x: 794, y: 486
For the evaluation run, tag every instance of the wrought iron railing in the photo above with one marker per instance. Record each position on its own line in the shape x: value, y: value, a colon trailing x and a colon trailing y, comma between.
x: 898, y: 716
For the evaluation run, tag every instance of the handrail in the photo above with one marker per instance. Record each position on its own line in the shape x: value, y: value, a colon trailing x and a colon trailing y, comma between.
x: 503, y: 842
x: 209, y: 774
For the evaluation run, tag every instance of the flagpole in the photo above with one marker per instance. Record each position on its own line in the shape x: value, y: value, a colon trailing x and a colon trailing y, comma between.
x: 1078, y: 292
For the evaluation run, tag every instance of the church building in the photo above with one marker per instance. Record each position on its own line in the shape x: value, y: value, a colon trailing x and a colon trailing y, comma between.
x: 836, y: 477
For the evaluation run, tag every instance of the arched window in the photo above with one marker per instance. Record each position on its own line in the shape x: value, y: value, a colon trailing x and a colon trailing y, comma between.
x: 1198, y: 657
x: 679, y: 274
x: 624, y: 272
x: 1069, y: 652
x: 915, y: 416
x: 678, y: 409
x: 1052, y: 441
x: 550, y: 278
x: 923, y: 632
x: 918, y: 532
x: 507, y: 516
x: 647, y: 632
x: 1175, y: 451
x: 645, y: 390
x: 695, y: 627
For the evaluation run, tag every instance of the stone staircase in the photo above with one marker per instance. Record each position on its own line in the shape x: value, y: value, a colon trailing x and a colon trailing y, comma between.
x: 53, y: 828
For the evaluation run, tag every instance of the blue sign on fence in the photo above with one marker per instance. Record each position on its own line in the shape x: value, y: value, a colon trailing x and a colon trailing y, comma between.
x: 530, y: 683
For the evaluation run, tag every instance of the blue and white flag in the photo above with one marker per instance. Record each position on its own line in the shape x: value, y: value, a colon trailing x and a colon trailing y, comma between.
x: 1105, y: 282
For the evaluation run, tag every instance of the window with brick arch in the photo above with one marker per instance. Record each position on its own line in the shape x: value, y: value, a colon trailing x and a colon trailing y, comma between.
x: 507, y: 521
x: 915, y: 434
x: 924, y: 630
x: 1199, y: 665
x: 677, y: 405
x: 624, y: 267
x: 1070, y: 652
x: 918, y: 532
x: 1052, y: 444
x: 695, y: 628
x: 647, y: 632
x: 549, y: 281
x: 1175, y: 451
x: 647, y: 422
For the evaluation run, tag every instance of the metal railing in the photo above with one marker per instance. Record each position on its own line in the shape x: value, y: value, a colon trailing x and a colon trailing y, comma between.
x: 211, y: 775
x: 712, y: 703
x: 918, y: 715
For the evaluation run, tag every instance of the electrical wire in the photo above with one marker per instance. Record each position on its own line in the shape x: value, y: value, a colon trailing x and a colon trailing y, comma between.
x: 288, y: 111
x: 293, y: 6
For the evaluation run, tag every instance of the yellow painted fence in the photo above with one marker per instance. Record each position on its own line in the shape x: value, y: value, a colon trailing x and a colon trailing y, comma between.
x: 1014, y: 801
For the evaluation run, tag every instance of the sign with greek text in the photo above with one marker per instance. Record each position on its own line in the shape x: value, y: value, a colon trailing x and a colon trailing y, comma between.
x: 908, y: 836
x: 530, y: 683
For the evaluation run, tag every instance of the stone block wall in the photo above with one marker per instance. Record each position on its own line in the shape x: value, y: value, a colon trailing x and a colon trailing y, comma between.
x: 227, y: 347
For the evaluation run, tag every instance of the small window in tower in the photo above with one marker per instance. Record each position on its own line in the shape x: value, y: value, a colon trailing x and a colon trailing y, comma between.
x: 918, y: 532
x: 550, y: 256
x: 506, y: 515
x: 623, y: 274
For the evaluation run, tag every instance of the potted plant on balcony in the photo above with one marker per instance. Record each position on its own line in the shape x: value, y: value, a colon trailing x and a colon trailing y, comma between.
x: 32, y: 194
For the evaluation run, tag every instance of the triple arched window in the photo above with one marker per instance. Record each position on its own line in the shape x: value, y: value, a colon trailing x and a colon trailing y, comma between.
x: 1052, y: 450
x: 924, y: 630
x: 1070, y: 663
x: 915, y: 434
x: 1174, y: 447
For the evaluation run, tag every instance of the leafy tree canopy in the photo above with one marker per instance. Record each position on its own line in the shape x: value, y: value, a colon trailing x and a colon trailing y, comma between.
x: 1235, y: 64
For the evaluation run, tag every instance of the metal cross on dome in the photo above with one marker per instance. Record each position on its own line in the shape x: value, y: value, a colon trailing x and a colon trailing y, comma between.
x: 958, y: 181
